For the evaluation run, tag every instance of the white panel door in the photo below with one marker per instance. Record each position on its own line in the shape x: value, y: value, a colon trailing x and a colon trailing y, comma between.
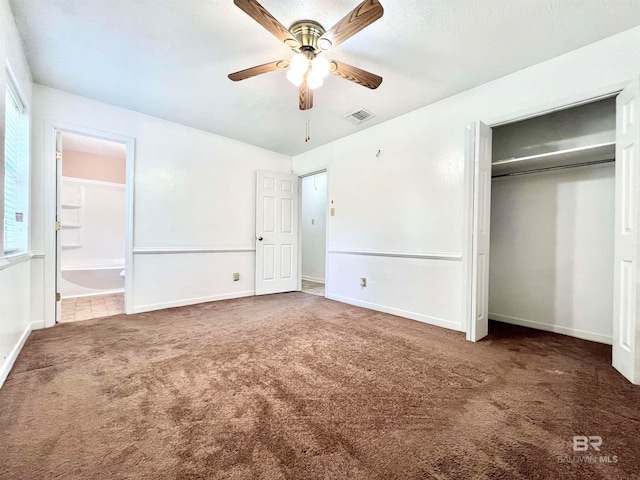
x: 58, y: 222
x: 479, y: 158
x: 276, y: 233
x: 626, y: 234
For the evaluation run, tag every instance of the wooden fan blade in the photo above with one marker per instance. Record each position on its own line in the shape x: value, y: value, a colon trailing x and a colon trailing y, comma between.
x: 259, y: 70
x: 264, y: 18
x: 356, y: 75
x: 306, y: 96
x: 360, y: 17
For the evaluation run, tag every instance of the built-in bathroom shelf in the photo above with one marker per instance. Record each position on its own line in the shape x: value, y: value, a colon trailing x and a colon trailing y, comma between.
x: 562, y: 158
x: 72, y: 213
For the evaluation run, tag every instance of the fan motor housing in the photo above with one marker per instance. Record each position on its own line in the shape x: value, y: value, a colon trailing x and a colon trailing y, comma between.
x: 307, y: 33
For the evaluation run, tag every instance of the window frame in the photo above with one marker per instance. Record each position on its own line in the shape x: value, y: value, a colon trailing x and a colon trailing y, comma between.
x: 14, y: 99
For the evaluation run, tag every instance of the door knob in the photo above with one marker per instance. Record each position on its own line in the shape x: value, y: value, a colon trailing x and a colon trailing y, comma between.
x: 259, y: 239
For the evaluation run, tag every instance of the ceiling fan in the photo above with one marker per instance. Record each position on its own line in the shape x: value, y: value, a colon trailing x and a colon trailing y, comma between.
x: 308, y: 39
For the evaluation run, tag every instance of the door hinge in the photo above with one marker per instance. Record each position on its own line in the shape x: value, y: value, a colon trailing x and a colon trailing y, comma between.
x: 58, y: 226
x: 58, y: 298
x: 58, y: 155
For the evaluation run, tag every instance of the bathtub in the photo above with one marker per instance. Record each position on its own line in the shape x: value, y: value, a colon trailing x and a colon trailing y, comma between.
x: 80, y: 282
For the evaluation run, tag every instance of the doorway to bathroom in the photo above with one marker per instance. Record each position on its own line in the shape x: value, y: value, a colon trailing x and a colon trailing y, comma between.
x: 313, y: 232
x: 91, y: 226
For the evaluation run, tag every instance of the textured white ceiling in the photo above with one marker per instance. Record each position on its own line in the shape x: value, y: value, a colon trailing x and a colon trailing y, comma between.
x: 170, y: 58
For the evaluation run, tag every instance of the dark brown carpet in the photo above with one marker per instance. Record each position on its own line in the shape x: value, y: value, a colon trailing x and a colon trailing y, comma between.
x: 295, y: 386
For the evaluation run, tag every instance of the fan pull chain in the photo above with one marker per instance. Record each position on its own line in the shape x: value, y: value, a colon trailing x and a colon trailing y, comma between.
x: 308, y: 136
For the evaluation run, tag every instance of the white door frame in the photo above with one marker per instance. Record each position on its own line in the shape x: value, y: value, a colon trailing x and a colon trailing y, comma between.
x: 52, y: 127
x: 326, y: 229
x: 565, y: 103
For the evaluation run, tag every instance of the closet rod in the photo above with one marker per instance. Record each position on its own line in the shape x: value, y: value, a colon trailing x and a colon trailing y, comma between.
x: 559, y: 167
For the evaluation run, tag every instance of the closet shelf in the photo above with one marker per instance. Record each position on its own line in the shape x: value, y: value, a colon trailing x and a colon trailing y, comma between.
x: 71, y: 205
x: 561, y: 158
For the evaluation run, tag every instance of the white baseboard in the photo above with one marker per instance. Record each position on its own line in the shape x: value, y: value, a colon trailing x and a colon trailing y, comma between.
x: 312, y: 279
x: 11, y: 358
x: 438, y: 322
x: 95, y: 294
x: 192, y: 301
x: 37, y: 325
x: 572, y: 332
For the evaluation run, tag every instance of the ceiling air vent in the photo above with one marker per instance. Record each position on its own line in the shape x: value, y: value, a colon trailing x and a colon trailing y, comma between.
x: 359, y: 116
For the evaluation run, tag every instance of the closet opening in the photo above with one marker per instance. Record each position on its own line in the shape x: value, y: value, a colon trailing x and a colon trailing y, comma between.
x: 552, y: 223
x: 313, y: 232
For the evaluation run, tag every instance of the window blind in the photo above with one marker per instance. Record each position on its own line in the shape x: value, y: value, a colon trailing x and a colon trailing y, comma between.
x: 12, y: 181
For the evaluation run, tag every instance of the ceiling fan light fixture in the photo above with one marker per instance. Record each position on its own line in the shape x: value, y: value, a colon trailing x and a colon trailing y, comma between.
x: 308, y: 38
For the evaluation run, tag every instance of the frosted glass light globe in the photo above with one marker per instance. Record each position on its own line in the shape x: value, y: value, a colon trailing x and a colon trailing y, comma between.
x: 314, y: 79
x: 295, y: 77
x: 321, y: 66
x: 299, y: 63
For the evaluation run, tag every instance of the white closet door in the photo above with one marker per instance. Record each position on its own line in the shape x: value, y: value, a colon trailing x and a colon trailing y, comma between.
x: 479, y: 157
x: 625, y: 355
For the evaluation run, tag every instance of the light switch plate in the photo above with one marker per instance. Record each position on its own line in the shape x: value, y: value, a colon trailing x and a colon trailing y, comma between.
x: 333, y: 211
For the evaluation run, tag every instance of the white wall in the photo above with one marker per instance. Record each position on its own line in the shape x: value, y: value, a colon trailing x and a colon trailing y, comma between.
x: 399, y: 217
x: 194, y: 202
x: 552, y: 251
x: 15, y: 295
x: 314, y: 226
x: 14, y: 311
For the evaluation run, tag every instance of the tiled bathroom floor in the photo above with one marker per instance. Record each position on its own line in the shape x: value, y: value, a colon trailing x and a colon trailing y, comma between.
x: 85, y: 308
x: 313, y: 288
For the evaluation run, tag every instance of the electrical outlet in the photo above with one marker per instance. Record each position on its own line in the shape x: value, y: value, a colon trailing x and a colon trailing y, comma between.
x: 236, y: 277
x: 363, y: 281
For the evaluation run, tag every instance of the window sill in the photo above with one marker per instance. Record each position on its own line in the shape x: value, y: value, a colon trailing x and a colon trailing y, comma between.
x: 8, y: 261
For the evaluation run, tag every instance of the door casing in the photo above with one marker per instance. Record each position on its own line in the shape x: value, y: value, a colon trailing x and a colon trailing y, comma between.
x: 51, y: 130
x: 326, y: 231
